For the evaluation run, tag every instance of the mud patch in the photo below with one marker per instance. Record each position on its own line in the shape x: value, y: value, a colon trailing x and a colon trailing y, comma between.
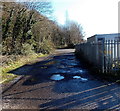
x: 51, y: 63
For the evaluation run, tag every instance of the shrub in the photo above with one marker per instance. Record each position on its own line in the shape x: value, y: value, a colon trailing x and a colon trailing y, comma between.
x: 27, y: 49
x: 46, y: 47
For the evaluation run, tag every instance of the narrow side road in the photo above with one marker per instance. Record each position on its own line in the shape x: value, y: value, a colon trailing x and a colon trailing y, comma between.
x: 77, y: 89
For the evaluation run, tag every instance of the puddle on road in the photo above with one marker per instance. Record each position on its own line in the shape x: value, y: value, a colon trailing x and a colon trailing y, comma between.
x: 84, y: 80
x: 72, y: 58
x: 61, y: 71
x: 67, y: 67
x: 75, y: 70
x: 57, y: 77
x: 71, y: 63
x: 61, y: 67
x: 66, y: 71
x: 81, y: 79
x: 76, y: 77
x: 43, y: 67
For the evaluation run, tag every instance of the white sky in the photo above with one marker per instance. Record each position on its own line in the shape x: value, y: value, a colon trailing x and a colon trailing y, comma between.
x: 95, y: 16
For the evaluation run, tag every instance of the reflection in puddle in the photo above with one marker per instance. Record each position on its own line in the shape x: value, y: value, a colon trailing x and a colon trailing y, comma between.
x: 73, y: 64
x: 81, y: 79
x: 57, y: 77
x: 84, y: 80
x: 75, y: 70
x: 73, y: 58
x: 76, y: 77
x: 70, y: 63
x: 67, y: 68
x: 80, y: 71
x: 70, y: 71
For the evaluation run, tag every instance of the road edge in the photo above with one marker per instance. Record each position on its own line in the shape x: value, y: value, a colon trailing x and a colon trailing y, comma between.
x: 17, y: 79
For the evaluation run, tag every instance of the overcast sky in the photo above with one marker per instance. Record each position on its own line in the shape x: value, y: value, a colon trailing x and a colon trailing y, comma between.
x: 96, y: 16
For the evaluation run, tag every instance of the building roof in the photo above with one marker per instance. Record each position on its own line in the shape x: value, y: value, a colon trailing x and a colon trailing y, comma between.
x: 117, y: 34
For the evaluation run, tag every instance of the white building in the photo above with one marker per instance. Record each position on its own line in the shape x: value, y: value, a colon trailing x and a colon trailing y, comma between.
x: 110, y: 49
x: 104, y: 37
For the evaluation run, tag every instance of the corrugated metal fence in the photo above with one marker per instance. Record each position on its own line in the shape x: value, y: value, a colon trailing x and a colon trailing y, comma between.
x: 104, y: 55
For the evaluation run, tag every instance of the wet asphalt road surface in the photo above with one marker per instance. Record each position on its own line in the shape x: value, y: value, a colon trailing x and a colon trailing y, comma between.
x: 37, y: 91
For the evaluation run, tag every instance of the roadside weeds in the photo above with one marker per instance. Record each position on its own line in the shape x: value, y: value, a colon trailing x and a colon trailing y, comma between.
x: 7, y: 77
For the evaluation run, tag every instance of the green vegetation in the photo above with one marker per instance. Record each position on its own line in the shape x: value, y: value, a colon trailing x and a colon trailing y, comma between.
x: 26, y: 33
x: 12, y: 64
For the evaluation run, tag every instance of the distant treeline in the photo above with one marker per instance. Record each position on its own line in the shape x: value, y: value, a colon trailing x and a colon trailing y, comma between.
x: 25, y: 30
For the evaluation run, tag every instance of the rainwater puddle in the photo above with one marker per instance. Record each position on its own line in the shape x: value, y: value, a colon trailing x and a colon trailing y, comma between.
x: 43, y: 67
x: 84, y: 80
x: 71, y: 58
x: 75, y: 70
x: 57, y: 77
x: 76, y: 77
x: 71, y: 63
x: 61, y: 67
x: 71, y: 71
x: 68, y: 68
x: 81, y: 79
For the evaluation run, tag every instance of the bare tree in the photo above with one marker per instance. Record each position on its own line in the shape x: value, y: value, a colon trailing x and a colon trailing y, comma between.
x: 44, y: 8
x: 74, y: 33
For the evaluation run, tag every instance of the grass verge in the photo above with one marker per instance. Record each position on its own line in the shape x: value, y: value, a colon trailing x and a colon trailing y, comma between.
x: 13, y: 64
